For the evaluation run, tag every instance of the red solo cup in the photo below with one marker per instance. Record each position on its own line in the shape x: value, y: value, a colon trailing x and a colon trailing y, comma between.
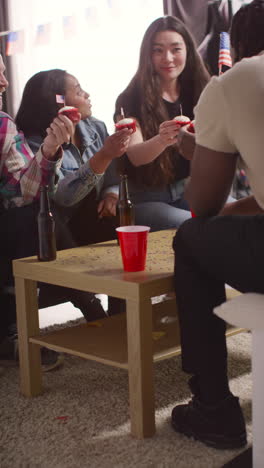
x: 133, y: 244
x: 126, y: 123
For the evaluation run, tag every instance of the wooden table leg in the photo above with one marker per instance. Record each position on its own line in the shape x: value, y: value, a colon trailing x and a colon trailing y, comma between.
x: 27, y: 326
x: 140, y: 368
x: 257, y: 397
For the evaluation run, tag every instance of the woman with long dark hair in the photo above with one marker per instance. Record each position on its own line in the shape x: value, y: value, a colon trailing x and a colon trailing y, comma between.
x: 169, y: 80
x: 85, y: 160
x: 91, y: 150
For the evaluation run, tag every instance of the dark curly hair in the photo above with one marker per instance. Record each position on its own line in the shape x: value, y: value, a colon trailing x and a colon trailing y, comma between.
x: 247, y: 30
x: 142, y: 98
x: 38, y: 105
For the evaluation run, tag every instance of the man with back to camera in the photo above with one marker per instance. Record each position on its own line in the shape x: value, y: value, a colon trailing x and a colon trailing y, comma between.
x: 223, y: 244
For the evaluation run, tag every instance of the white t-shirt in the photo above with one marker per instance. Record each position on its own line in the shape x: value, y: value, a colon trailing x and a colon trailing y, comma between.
x: 229, y: 117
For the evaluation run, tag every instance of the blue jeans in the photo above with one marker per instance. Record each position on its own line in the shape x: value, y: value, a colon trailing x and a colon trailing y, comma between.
x: 165, y: 209
x: 162, y: 215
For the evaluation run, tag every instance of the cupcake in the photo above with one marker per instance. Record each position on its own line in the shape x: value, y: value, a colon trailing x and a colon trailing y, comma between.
x: 182, y: 120
x: 126, y: 123
x: 190, y: 127
x: 71, y: 112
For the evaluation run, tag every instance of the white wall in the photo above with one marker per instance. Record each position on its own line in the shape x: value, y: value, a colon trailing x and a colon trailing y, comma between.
x: 103, y: 54
x: 236, y: 4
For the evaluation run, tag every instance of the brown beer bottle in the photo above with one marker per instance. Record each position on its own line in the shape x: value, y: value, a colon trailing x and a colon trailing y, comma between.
x: 126, y: 210
x: 46, y: 228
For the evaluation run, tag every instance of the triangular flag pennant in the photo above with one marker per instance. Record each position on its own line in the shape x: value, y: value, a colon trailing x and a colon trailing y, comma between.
x: 69, y: 26
x: 15, y: 42
x: 116, y: 6
x: 91, y: 15
x: 43, y: 34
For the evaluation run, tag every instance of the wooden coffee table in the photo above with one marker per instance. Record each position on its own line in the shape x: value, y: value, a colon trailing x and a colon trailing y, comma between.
x: 131, y: 341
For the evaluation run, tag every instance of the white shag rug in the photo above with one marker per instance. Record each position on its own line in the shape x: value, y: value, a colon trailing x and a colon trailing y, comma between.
x: 82, y: 418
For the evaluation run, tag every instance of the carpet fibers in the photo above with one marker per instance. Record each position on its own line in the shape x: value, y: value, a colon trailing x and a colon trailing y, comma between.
x: 82, y: 417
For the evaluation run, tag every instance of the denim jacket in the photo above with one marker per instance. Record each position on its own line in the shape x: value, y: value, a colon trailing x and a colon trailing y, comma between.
x: 75, y: 176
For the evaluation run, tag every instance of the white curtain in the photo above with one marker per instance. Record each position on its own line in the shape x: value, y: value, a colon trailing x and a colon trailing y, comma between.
x: 102, y: 54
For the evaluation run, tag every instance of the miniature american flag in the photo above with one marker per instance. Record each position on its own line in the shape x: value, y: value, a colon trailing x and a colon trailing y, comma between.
x: 69, y: 26
x: 60, y: 99
x: 43, y: 34
x: 15, y: 42
x: 224, y: 52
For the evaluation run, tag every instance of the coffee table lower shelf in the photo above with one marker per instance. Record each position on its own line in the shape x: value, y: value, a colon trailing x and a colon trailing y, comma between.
x: 105, y: 341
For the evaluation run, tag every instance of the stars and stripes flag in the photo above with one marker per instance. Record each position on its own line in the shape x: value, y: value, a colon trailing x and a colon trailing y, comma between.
x: 69, y: 26
x: 15, y: 42
x: 92, y: 16
x: 224, y: 57
x: 60, y: 99
x: 43, y: 34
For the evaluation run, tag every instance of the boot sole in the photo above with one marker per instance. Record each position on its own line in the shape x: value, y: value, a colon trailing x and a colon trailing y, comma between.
x: 55, y: 365
x: 213, y: 440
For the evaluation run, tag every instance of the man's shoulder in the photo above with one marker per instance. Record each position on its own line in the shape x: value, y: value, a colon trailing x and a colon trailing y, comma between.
x: 244, y: 70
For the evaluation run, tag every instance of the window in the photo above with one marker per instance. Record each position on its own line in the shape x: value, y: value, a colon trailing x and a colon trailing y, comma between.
x: 101, y: 48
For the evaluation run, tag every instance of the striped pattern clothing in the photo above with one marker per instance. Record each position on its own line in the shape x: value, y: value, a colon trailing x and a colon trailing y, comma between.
x: 21, y: 174
x: 224, y: 57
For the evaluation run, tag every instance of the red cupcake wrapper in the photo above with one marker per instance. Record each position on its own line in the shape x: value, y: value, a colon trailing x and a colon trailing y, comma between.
x: 72, y: 114
x: 131, y: 125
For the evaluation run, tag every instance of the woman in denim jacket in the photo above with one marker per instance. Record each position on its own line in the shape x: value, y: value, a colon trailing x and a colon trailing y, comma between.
x: 86, y: 164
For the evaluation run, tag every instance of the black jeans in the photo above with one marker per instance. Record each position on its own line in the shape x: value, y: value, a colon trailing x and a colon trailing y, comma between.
x: 19, y: 238
x: 85, y: 225
x: 210, y: 252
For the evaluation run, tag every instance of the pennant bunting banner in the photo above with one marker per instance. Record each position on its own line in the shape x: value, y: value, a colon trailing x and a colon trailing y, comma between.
x: 15, y: 39
x: 43, y: 34
x: 91, y: 15
x: 69, y: 26
x: 15, y: 42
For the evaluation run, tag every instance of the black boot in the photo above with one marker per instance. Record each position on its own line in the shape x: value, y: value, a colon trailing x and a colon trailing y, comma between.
x: 221, y: 426
x: 93, y: 310
x: 194, y: 386
x: 116, y: 306
x: 88, y: 304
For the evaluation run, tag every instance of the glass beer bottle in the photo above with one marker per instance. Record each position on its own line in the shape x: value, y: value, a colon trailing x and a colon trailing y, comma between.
x: 126, y: 210
x: 46, y: 229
